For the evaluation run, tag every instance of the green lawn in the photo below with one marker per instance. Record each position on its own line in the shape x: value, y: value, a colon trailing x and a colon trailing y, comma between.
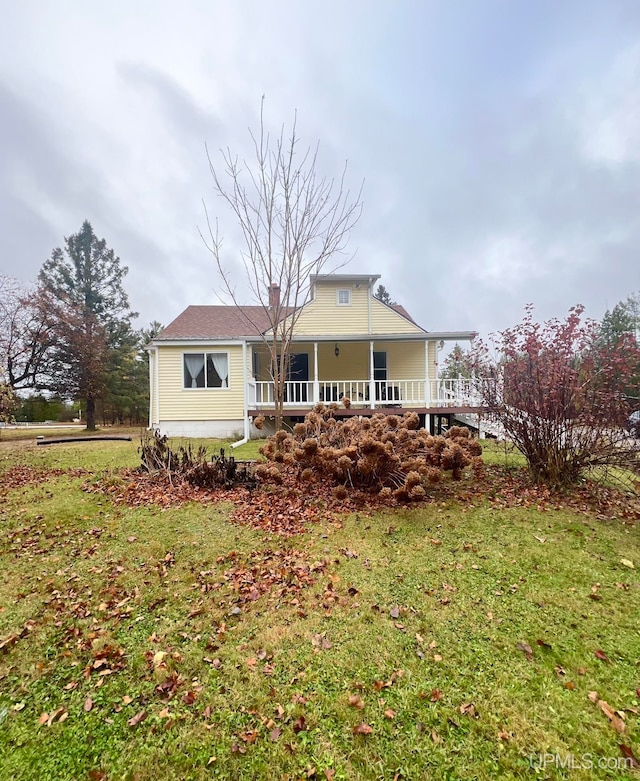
x: 453, y: 640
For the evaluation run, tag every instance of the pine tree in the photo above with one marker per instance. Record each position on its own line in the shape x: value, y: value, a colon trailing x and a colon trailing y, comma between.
x: 382, y: 294
x: 87, y: 309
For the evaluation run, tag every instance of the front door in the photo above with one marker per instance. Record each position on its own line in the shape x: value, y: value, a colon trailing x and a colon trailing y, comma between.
x: 299, y: 374
x: 380, y: 374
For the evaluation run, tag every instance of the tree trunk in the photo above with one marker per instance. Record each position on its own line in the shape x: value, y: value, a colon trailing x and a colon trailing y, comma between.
x: 91, y: 413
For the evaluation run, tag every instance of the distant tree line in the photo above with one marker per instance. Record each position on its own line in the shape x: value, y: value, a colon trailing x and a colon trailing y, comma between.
x: 69, y: 338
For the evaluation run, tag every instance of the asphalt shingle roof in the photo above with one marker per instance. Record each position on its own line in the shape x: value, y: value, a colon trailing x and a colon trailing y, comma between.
x: 226, y: 322
x: 217, y: 322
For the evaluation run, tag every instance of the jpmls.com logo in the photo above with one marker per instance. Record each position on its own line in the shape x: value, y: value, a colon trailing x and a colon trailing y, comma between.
x: 583, y: 762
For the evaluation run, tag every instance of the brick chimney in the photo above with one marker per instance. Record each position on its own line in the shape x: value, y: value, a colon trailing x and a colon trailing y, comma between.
x: 274, y: 296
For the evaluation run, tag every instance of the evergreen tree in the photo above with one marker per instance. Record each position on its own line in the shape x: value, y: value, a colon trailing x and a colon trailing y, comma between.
x: 457, y: 364
x: 87, y: 309
x: 620, y: 329
x: 382, y: 294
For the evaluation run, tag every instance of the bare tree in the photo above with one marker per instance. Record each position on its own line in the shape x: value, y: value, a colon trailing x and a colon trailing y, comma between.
x: 294, y: 222
x: 23, y: 334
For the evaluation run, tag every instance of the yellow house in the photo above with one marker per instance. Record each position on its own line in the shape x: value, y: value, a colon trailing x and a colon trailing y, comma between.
x: 210, y: 368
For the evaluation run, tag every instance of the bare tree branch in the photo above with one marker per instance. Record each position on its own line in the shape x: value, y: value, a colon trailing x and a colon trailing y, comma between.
x: 294, y: 224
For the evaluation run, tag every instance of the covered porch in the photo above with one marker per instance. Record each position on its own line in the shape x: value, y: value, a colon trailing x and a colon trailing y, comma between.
x: 400, y: 373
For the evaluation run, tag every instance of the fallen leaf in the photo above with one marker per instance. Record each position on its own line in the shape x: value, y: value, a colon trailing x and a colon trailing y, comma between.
x: 356, y: 701
x: 395, y: 612
x: 628, y: 563
x: 627, y: 753
x: 275, y: 734
x: 468, y: 709
x: 544, y: 644
x: 616, y: 722
x: 299, y: 724
x: 88, y: 704
x: 593, y: 696
x: 250, y: 736
x: 189, y: 697
x: 139, y: 717
x: 362, y: 729
x: 389, y: 714
x: 601, y: 655
x: 526, y: 649
x: 436, y: 695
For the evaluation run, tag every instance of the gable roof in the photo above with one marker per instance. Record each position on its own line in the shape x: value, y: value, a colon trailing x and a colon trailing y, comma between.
x: 227, y: 322
x: 402, y: 311
x: 217, y: 322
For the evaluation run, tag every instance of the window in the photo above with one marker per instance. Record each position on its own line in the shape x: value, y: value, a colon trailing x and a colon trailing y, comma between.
x: 344, y: 297
x: 206, y: 370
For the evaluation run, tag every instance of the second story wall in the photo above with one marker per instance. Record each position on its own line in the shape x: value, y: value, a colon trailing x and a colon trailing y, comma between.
x: 327, y: 314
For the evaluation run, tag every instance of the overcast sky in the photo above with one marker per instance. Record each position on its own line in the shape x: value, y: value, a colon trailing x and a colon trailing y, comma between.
x: 498, y: 141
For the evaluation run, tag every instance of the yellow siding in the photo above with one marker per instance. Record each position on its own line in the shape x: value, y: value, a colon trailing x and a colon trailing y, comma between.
x: 179, y: 403
x: 323, y: 315
x: 433, y: 361
x: 386, y: 321
x: 405, y: 360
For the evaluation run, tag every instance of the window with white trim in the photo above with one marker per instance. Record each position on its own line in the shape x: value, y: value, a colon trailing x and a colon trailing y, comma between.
x: 205, y: 370
x: 344, y: 297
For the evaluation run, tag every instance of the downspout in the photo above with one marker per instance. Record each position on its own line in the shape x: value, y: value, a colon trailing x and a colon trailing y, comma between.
x: 247, y: 431
x: 369, y: 303
x: 151, y: 393
x: 156, y: 365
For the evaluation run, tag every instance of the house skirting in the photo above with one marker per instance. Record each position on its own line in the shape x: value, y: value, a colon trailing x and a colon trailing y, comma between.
x: 205, y: 429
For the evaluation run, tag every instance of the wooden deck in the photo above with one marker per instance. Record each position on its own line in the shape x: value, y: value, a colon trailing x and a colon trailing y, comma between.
x: 367, y: 412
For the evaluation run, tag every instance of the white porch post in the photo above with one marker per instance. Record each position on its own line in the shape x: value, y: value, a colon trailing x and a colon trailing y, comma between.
x: 316, y: 381
x: 427, y: 381
x: 372, y: 383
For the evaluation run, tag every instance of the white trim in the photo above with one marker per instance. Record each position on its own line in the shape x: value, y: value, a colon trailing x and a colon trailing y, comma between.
x: 157, y: 383
x: 200, y: 343
x: 245, y: 381
x: 207, y: 387
x: 151, y: 393
x: 343, y: 290
x: 372, y: 381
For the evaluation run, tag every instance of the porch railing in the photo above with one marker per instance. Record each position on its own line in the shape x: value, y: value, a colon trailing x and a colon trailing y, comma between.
x: 404, y: 393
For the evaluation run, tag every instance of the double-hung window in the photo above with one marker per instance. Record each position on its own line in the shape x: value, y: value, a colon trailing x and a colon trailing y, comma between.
x: 344, y: 297
x: 206, y: 370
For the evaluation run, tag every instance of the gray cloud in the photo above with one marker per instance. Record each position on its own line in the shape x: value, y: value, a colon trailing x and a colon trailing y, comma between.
x: 500, y: 142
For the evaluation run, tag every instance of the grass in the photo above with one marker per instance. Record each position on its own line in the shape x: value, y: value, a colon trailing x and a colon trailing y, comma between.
x: 415, y: 614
